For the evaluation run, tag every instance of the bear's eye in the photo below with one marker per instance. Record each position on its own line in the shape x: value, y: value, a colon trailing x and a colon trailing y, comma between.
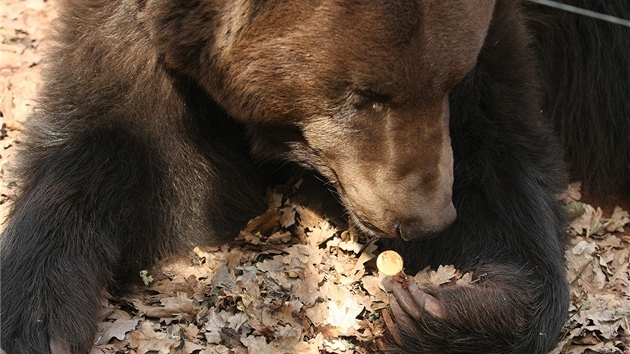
x: 365, y: 98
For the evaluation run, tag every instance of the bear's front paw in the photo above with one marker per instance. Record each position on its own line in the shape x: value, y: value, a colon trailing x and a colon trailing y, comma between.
x: 409, y: 300
x: 410, y: 304
x: 453, y: 319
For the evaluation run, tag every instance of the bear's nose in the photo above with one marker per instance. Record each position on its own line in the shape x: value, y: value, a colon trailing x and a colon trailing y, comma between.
x: 424, y: 229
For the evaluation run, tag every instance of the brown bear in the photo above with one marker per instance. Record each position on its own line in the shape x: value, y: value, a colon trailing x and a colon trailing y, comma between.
x: 161, y: 123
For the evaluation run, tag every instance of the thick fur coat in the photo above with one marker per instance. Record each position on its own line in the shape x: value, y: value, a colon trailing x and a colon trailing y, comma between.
x: 162, y: 122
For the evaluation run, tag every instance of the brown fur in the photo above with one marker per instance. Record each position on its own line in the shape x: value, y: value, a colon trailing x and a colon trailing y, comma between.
x: 404, y: 110
x: 162, y: 121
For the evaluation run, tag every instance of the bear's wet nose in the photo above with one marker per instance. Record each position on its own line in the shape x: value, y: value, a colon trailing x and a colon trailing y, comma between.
x: 420, y: 230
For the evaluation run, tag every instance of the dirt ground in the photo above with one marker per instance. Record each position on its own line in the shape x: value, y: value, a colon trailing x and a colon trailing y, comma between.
x: 258, y: 296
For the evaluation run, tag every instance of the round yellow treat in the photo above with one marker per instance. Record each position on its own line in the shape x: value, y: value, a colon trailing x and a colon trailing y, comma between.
x: 389, y: 263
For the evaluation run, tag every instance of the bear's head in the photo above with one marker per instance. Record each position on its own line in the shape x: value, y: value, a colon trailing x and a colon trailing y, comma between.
x: 355, y: 89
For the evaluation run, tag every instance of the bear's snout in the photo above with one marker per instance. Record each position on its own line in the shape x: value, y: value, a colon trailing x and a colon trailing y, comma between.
x: 410, y: 230
x: 410, y: 218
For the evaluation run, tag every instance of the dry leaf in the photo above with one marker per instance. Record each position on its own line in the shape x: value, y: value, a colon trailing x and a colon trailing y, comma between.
x: 117, y: 329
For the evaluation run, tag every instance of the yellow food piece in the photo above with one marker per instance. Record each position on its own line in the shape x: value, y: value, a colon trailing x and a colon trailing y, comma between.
x: 389, y: 263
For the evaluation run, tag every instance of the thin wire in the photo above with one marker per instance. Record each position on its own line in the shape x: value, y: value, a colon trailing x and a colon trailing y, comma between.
x: 584, y: 12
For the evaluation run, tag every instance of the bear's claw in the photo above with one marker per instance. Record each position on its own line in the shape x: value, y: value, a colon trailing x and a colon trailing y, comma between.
x: 412, y: 301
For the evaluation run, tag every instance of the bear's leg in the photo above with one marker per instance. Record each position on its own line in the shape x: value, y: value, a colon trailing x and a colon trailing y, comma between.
x: 518, y: 302
x: 505, y: 312
x: 83, y: 207
x: 509, y: 228
x: 98, y: 208
x: 509, y: 233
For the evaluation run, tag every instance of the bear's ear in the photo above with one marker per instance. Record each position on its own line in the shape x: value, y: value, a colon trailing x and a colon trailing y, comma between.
x: 182, y: 32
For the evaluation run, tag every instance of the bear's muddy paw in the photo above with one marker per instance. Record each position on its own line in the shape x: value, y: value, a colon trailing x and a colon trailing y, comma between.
x: 37, y: 341
x: 62, y: 329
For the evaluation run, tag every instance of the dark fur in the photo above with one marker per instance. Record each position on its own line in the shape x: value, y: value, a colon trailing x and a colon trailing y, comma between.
x: 508, y: 229
x: 586, y: 70
x: 130, y: 156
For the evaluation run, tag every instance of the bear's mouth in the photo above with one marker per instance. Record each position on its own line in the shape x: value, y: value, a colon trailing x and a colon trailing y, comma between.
x: 367, y: 227
x: 359, y: 222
